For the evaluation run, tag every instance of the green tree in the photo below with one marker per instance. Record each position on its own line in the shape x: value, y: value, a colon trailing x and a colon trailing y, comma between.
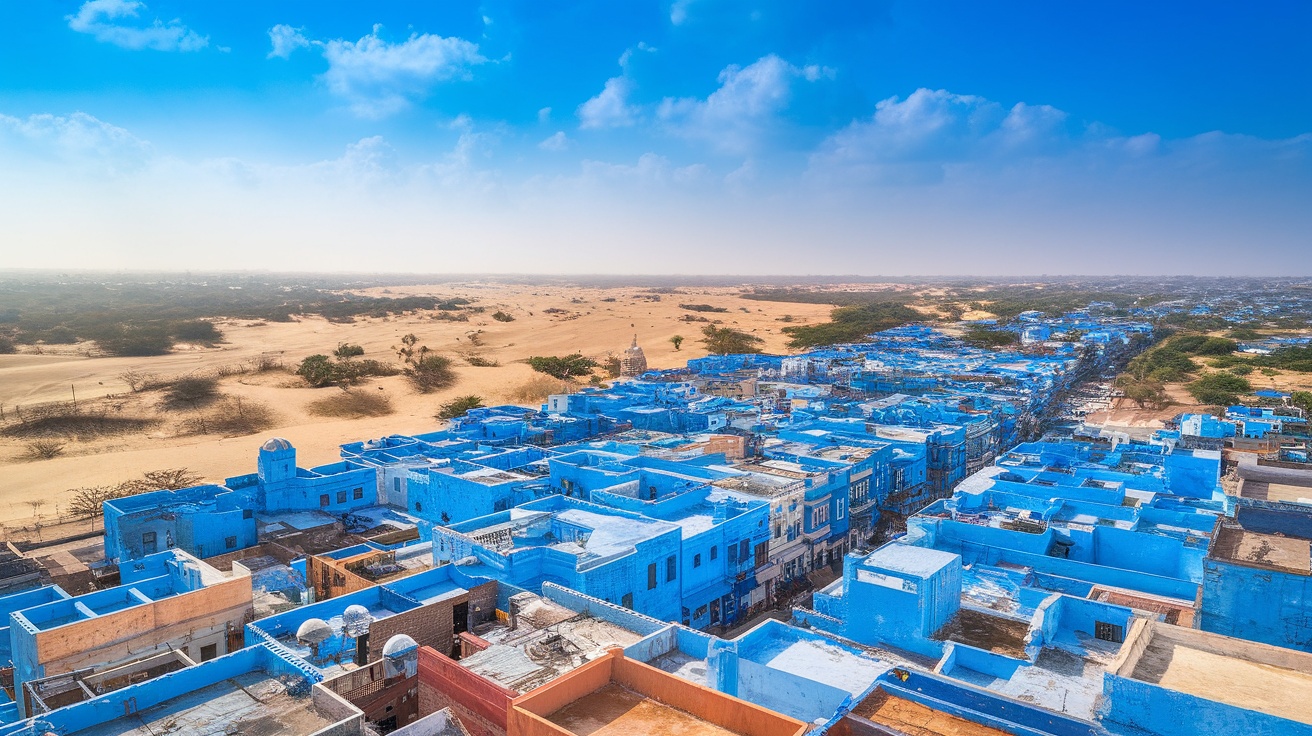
x: 677, y: 340
x: 1303, y: 400
x: 458, y: 406
x: 317, y: 370
x: 347, y: 350
x: 431, y: 372
x: 729, y: 341
x: 563, y: 367
x: 1220, y: 389
x: 852, y: 324
x: 983, y: 337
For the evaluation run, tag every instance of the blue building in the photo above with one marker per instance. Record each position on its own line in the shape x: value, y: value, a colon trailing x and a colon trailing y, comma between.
x: 611, y: 554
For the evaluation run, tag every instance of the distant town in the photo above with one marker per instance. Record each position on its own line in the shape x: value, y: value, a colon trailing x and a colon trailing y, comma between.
x: 983, y: 517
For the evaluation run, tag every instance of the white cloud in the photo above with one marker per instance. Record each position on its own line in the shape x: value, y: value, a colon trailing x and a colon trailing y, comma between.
x: 78, y: 139
x: 924, y: 137
x: 379, y: 78
x: 610, y: 108
x: 679, y: 11
x: 739, y: 112
x: 118, y: 22
x: 285, y: 40
x: 557, y: 142
x: 650, y: 168
x: 544, y: 115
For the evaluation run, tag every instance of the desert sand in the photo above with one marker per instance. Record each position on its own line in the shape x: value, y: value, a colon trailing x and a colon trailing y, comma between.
x: 587, y: 325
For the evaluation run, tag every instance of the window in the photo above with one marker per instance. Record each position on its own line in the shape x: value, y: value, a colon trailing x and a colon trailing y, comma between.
x: 357, y: 494
x: 840, y: 509
x: 778, y: 530
x: 762, y: 552
x: 323, y: 501
x: 230, y: 542
x: 714, y: 552
x: 627, y: 601
x: 651, y: 576
x: 396, y: 485
x: 671, y: 568
x: 341, y: 497
x: 419, y: 506
x: 1108, y: 632
x: 148, y: 544
x: 697, y: 560
x: 744, y: 549
x: 208, y: 652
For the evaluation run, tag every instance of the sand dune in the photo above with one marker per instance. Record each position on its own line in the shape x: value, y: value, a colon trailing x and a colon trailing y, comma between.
x: 586, y: 324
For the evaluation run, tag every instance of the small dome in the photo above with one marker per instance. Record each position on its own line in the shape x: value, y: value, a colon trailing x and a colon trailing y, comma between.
x: 356, y: 620
x: 275, y: 444
x: 314, y: 631
x: 399, y: 644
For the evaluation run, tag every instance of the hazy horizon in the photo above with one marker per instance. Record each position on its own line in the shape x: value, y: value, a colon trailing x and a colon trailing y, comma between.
x: 663, y: 138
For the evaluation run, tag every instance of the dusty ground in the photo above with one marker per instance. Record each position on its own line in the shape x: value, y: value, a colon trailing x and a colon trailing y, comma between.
x: 588, y: 325
x: 1125, y: 413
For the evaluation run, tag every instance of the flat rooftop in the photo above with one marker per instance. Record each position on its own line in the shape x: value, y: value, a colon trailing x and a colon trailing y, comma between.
x: 1239, y: 673
x: 616, y: 711
x: 1269, y: 551
x: 987, y: 632
x: 252, y: 704
x: 914, y: 719
x: 1260, y: 490
x: 548, y: 641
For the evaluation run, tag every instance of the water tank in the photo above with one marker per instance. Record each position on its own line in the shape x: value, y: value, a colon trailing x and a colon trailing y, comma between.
x: 356, y: 619
x: 314, y: 631
x: 400, y: 657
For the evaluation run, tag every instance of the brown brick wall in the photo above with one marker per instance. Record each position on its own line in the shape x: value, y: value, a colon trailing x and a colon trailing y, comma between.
x: 429, y: 626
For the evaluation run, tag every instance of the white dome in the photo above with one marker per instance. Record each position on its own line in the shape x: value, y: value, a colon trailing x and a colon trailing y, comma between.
x: 314, y: 631
x: 356, y: 620
x: 398, y: 644
x: 274, y: 444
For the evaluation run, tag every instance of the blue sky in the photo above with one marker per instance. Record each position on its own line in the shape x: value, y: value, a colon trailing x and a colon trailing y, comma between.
x: 683, y: 136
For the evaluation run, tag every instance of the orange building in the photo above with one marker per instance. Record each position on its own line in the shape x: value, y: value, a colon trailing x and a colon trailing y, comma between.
x: 617, y: 696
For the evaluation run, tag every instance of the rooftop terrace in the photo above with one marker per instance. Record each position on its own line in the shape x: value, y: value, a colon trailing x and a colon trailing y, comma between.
x: 1270, y: 551
x: 1247, y: 675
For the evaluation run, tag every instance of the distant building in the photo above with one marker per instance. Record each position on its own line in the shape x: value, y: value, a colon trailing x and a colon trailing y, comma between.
x: 634, y: 362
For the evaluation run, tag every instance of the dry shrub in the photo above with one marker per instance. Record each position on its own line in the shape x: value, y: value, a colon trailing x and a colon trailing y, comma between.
x: 352, y: 405
x: 65, y: 419
x: 535, y: 390
x: 88, y: 501
x: 44, y: 449
x: 190, y: 392
x: 265, y: 363
x: 139, y: 380
x: 231, y: 415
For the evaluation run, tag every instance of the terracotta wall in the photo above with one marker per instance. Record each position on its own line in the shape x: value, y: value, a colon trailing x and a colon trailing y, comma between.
x: 481, y: 704
x: 142, y: 629
x: 527, y: 713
